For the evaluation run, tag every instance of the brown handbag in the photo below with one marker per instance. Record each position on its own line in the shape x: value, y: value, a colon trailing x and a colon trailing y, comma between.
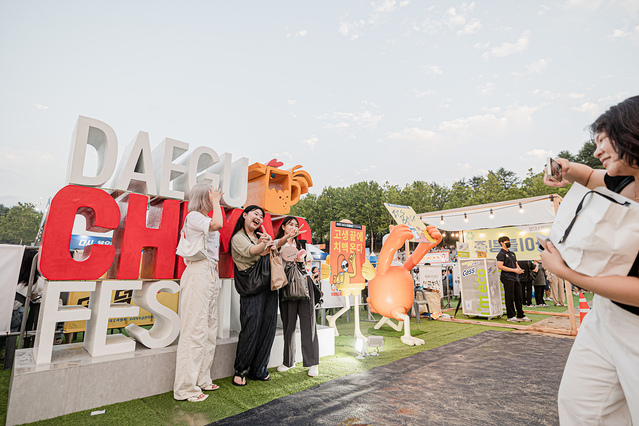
x: 278, y: 276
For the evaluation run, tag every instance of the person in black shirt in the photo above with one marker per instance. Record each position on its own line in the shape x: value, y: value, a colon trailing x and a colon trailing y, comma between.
x: 526, y: 280
x: 510, y: 270
x: 600, y: 384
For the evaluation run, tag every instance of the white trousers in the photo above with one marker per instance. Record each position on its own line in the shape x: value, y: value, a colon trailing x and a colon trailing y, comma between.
x: 600, y: 385
x: 199, y: 288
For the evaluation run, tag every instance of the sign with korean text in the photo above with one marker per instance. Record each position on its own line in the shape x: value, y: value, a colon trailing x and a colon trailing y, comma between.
x: 405, y: 215
x: 482, y: 243
x: 347, y: 253
x: 436, y: 257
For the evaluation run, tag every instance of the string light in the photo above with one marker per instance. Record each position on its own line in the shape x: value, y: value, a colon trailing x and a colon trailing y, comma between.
x: 444, y: 234
x: 521, y: 208
x: 442, y: 221
x: 492, y: 216
x: 465, y: 218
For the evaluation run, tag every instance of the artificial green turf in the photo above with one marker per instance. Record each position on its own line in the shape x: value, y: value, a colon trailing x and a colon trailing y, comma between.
x: 230, y: 400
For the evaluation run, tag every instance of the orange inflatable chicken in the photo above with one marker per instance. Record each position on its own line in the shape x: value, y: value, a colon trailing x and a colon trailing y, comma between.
x: 391, y: 292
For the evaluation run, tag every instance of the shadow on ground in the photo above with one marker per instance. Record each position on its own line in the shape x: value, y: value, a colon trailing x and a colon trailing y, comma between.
x: 493, y: 378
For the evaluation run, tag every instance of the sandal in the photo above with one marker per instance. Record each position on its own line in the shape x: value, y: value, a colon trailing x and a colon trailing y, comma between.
x: 265, y: 379
x: 201, y: 397
x: 210, y: 387
x: 242, y: 379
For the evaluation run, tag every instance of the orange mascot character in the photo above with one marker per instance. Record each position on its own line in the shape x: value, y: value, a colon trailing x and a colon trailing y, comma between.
x: 391, y: 293
x: 276, y: 189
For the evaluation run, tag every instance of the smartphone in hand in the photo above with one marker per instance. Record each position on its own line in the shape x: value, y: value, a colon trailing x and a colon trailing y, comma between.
x: 553, y: 170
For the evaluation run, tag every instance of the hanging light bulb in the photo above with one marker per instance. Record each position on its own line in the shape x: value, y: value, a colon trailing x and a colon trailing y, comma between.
x: 465, y: 218
x: 442, y: 221
x: 491, y: 215
x: 521, y: 208
x: 444, y: 234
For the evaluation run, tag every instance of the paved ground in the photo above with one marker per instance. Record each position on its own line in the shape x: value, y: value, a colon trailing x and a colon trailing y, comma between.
x: 493, y: 378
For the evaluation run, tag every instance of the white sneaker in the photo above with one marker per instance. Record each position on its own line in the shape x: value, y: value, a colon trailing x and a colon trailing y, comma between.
x: 313, y: 371
x: 282, y: 368
x: 524, y: 319
x: 513, y: 319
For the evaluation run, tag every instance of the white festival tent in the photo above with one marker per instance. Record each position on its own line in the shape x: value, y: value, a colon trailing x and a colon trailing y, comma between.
x: 531, y: 213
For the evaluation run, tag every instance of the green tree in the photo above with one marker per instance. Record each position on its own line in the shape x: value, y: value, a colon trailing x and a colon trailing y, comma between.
x: 567, y: 155
x: 585, y: 156
x: 3, y: 210
x: 20, y: 224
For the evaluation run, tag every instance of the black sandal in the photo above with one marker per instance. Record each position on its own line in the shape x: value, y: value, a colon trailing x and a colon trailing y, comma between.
x: 265, y: 379
x: 241, y: 376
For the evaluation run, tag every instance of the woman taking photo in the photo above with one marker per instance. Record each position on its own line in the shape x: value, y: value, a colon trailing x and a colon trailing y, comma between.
x: 600, y: 384
x: 199, y: 287
x: 258, y: 312
x: 304, y: 309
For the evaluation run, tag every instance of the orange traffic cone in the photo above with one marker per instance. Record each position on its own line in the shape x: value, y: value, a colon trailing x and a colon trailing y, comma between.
x: 584, y: 308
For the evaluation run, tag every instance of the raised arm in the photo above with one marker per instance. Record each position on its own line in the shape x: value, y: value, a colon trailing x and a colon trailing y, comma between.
x: 576, y: 172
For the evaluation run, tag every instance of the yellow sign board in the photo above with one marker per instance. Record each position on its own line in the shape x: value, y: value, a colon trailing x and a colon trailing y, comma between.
x: 483, y: 242
x: 169, y: 300
x: 405, y: 215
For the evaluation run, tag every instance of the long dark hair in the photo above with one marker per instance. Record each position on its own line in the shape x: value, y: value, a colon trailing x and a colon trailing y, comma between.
x: 621, y: 123
x: 25, y: 267
x: 240, y: 222
x: 280, y: 232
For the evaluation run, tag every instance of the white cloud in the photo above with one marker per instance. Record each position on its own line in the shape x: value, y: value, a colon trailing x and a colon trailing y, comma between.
x: 589, y: 5
x: 425, y: 93
x: 299, y: 34
x: 574, y: 95
x: 291, y: 102
x: 514, y: 119
x: 414, y: 134
x: 433, y: 70
x: 311, y: 142
x: 538, y: 66
x: 481, y: 45
x: 507, y: 49
x: 452, y: 18
x: 619, y: 33
x: 38, y: 106
x: 588, y: 108
x: 538, y: 156
x: 342, y: 120
x: 352, y: 30
x: 465, y: 167
x: 286, y: 158
x: 543, y: 10
x: 364, y: 170
x: 470, y: 28
x: 486, y: 88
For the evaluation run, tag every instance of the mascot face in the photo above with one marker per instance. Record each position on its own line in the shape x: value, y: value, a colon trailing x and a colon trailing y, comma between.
x: 345, y: 265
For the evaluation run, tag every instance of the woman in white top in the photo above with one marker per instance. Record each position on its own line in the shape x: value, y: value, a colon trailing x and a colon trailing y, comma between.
x: 304, y: 309
x: 199, y: 287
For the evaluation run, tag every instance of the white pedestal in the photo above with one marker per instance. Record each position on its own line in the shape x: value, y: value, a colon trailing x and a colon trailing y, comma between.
x: 74, y: 381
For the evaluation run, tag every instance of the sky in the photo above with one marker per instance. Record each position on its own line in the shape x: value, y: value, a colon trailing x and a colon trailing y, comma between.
x: 386, y: 91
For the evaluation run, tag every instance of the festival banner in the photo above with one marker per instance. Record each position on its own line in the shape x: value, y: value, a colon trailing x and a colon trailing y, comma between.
x: 347, y: 254
x: 482, y: 243
x: 405, y: 215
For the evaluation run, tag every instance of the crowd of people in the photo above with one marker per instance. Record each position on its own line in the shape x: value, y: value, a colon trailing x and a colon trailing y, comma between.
x: 251, y: 248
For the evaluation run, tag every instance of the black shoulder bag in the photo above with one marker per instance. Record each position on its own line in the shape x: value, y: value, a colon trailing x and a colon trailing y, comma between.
x: 255, y: 279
